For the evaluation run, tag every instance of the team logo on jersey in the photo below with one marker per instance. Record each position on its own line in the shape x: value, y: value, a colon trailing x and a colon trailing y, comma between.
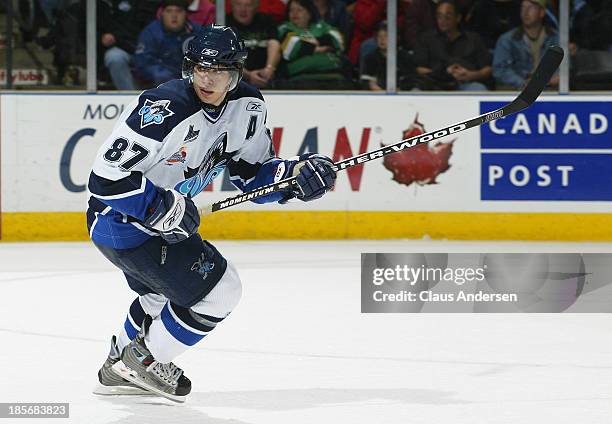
x: 178, y: 157
x: 213, y: 164
x: 203, y: 266
x: 154, y: 112
x: 191, y: 134
x: 254, y: 107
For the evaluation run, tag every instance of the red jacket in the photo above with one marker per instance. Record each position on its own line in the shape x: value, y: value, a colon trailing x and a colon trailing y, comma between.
x: 367, y: 15
x: 274, y: 8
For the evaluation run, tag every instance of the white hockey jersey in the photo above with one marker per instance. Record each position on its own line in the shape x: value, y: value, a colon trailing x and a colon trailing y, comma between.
x: 166, y: 139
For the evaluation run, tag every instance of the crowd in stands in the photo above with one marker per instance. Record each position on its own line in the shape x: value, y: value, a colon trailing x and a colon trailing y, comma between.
x: 467, y: 45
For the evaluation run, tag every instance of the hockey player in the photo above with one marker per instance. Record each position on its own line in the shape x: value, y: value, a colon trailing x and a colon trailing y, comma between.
x: 167, y: 146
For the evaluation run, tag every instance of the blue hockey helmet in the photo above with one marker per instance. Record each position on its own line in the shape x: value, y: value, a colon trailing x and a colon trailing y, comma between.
x: 216, y: 46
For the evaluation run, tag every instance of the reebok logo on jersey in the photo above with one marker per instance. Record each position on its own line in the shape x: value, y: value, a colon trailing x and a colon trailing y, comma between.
x: 254, y: 107
x: 191, y: 134
x: 154, y: 112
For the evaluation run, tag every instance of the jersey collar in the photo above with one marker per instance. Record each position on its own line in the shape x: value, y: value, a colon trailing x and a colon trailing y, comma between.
x: 213, y: 113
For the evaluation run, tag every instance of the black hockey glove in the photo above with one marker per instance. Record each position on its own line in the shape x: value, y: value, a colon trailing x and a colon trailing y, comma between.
x: 175, y: 217
x: 315, y: 176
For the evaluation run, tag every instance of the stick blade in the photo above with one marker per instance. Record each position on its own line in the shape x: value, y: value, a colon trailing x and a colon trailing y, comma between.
x: 546, y: 69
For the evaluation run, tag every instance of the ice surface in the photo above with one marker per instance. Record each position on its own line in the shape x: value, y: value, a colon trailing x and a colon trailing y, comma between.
x: 298, y: 350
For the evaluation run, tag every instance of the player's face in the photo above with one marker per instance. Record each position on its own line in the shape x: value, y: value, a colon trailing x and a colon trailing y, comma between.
x: 211, y: 84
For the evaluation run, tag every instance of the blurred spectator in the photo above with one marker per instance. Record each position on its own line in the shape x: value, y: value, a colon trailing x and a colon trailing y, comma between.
x: 366, y: 15
x: 65, y: 20
x: 591, y: 24
x: 518, y: 51
x: 201, y: 12
x: 449, y: 58
x: 67, y: 37
x: 414, y: 18
x: 334, y: 13
x: 259, y: 34
x: 591, y: 45
x: 605, y: 20
x: 159, y: 54
x: 419, y: 18
x: 551, y: 16
x: 491, y: 18
x: 311, y: 49
x: 119, y: 24
x: 274, y: 8
x: 49, y: 8
x: 375, y: 65
x: 582, y: 31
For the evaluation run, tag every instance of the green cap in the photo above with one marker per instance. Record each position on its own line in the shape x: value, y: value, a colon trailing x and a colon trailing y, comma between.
x: 541, y: 3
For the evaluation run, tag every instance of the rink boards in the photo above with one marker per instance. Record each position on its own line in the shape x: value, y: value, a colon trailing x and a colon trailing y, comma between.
x: 540, y: 175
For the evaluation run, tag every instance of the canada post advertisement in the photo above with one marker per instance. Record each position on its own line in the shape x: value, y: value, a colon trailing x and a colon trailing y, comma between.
x: 553, y: 151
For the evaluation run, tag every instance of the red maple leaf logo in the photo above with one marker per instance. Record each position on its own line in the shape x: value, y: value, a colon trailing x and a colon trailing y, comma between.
x: 420, y: 164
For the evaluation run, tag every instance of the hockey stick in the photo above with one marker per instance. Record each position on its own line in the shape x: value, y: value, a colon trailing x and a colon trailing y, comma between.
x: 545, y: 70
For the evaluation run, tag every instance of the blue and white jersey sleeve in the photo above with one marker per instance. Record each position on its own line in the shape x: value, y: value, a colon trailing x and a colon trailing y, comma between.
x: 256, y: 164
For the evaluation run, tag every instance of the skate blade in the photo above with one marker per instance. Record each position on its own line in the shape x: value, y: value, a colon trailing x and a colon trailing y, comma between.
x: 121, y: 370
x: 120, y: 391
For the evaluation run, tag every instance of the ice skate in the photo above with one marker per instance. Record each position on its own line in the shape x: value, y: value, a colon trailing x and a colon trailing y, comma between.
x: 110, y: 383
x: 138, y: 365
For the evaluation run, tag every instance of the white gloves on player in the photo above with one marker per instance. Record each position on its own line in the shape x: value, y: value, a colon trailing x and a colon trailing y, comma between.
x: 174, y: 216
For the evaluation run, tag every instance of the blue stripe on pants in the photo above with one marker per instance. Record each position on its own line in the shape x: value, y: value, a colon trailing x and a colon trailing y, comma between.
x: 178, y: 330
x: 137, y: 314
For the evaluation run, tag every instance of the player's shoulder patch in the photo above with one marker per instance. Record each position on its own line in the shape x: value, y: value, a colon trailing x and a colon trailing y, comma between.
x: 153, y: 112
x: 161, y: 109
